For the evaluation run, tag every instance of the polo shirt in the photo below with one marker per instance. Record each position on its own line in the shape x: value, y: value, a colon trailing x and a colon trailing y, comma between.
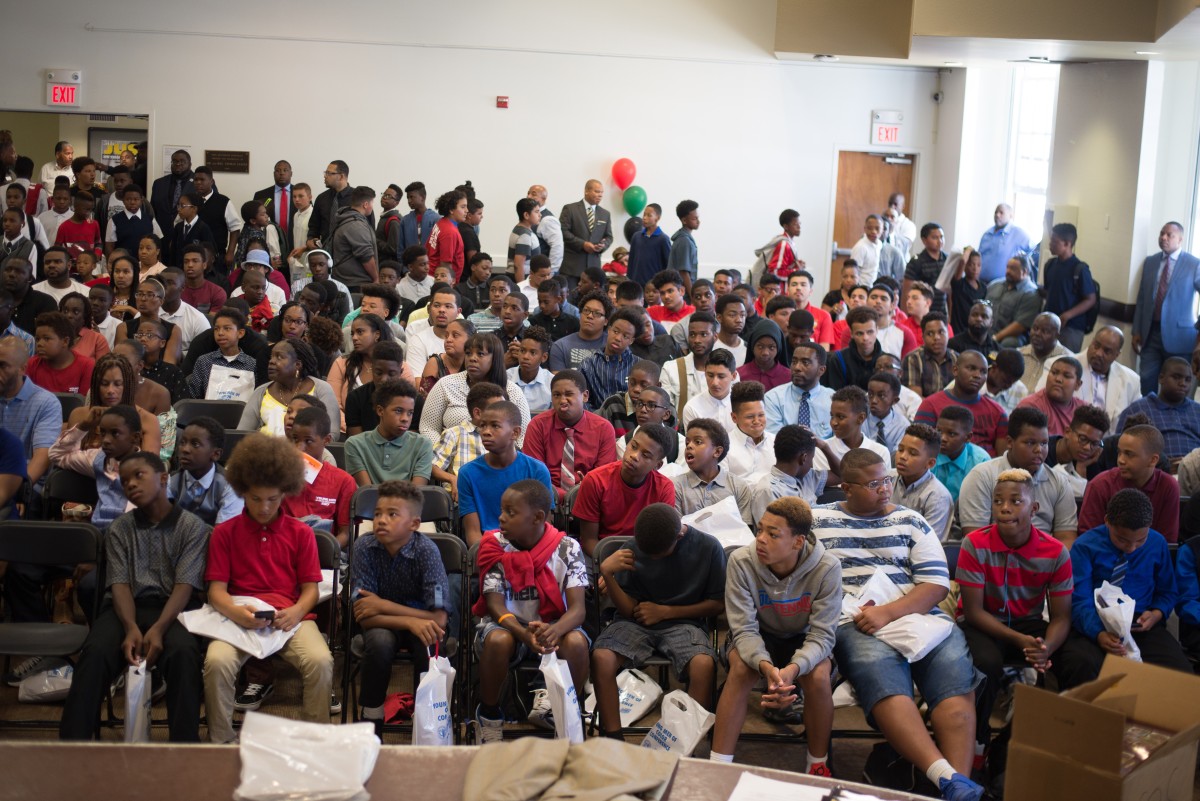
x: 12, y: 463
x: 1014, y: 304
x: 414, y: 577
x: 930, y: 499
x: 1058, y: 416
x: 75, y: 377
x: 991, y: 421
x: 1162, y: 490
x: 327, y: 496
x: 406, y: 457
x: 480, y: 486
x: 1015, y: 581
x: 595, y: 444
x: 1053, y: 493
x: 27, y: 310
x: 1149, y: 577
x: 962, y: 342
x: 951, y: 472
x: 605, y: 499
x: 34, y: 415
x: 662, y: 314
x: 266, y: 562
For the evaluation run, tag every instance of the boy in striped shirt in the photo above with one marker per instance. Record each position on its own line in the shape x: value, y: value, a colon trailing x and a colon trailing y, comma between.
x: 1004, y: 623
x: 867, y: 531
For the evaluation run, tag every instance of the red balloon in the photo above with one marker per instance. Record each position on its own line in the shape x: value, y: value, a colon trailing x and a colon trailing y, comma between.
x: 623, y: 173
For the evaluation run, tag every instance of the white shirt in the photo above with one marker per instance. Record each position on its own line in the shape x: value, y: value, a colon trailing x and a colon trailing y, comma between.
x: 746, y: 456
x: 550, y: 229
x: 905, y: 230
x: 190, y: 321
x: 111, y: 235
x: 696, y: 384
x: 705, y: 405
x: 529, y: 292
x: 51, y: 170
x: 738, y: 351
x: 840, y: 449
x: 109, y: 329
x: 891, y: 339
x: 274, y: 296
x: 50, y: 220
x: 414, y: 290
x: 232, y: 221
x: 422, y: 345
x: 536, y: 392
x: 59, y: 294
x: 866, y: 253
x: 909, y: 403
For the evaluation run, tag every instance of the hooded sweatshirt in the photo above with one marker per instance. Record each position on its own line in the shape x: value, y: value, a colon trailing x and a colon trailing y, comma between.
x: 807, y: 601
x: 779, y: 372
x: 353, y: 245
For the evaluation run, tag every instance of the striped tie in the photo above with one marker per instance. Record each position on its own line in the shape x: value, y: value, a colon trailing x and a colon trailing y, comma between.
x: 1119, y: 571
x: 803, y: 416
x: 591, y: 215
x: 568, y: 461
x: 879, y: 436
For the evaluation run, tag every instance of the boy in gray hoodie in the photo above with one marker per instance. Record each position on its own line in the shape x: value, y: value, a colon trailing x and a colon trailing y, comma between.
x: 783, y: 596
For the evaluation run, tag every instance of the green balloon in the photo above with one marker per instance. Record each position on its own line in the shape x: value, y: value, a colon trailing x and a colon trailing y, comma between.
x: 634, y: 199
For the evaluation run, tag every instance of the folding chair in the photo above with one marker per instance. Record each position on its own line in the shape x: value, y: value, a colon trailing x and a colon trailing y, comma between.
x: 439, y: 508
x: 338, y: 449
x: 45, y: 543
x: 329, y: 553
x: 453, y: 552
x: 63, y: 486
x: 226, y: 412
x: 232, y: 438
x: 70, y: 401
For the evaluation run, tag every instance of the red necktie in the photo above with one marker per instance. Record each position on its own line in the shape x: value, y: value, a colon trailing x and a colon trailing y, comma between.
x: 283, y: 209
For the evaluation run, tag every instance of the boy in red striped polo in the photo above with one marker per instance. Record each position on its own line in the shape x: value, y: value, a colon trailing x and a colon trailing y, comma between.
x: 1008, y: 571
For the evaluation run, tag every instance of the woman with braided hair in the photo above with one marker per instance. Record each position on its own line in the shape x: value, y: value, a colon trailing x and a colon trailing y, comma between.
x: 293, y: 370
x: 114, y: 384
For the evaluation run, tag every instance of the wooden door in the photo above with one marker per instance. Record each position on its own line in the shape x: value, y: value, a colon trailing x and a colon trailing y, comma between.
x: 864, y: 183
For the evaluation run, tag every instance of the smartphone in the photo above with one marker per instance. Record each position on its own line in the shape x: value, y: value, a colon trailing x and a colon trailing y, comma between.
x: 265, y: 614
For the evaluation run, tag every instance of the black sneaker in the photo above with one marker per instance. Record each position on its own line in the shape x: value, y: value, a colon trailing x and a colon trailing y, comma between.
x: 335, y: 704
x: 30, y: 667
x: 252, y: 696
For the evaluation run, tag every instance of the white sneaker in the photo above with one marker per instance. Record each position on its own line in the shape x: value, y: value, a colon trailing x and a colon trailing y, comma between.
x: 541, y: 714
x: 490, y: 731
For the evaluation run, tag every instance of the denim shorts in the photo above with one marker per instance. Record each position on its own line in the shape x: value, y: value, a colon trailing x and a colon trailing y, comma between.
x: 878, y: 671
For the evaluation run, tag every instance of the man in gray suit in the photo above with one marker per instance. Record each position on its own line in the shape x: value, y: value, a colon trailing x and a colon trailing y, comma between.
x: 1164, y: 323
x: 586, y: 232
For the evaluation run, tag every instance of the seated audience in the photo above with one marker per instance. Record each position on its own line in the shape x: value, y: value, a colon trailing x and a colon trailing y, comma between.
x: 1057, y: 399
x: 446, y: 404
x: 530, y: 373
x: 568, y: 439
x: 1138, y: 453
x: 391, y: 451
x: 990, y: 422
x: 916, y: 485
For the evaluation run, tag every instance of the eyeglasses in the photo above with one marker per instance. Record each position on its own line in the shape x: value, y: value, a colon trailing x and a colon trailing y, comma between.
x: 876, y: 485
x: 153, y: 335
x: 186, y: 206
x: 145, y: 295
x: 1093, y: 443
x: 648, y: 406
x: 332, y: 172
x: 592, y: 312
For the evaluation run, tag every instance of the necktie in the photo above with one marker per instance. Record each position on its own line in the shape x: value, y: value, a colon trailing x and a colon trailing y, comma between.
x: 282, y: 213
x: 1164, y: 278
x: 879, y: 437
x: 568, y: 461
x: 591, y: 217
x: 1119, y: 571
x: 187, y: 229
x: 176, y: 191
x: 803, y: 416
x: 195, y: 492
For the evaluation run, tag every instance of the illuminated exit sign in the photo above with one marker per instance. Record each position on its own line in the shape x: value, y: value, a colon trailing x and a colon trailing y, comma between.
x: 885, y: 127
x: 63, y: 87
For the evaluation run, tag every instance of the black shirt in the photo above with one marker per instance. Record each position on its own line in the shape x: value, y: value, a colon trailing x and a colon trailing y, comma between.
x: 557, y: 327
x: 846, y: 368
x: 34, y: 303
x: 360, y: 408
x: 960, y: 343
x: 962, y: 297
x: 170, y: 376
x: 470, y: 239
x: 924, y: 267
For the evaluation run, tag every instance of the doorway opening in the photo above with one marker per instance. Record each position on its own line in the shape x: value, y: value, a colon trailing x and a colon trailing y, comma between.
x: 865, y: 180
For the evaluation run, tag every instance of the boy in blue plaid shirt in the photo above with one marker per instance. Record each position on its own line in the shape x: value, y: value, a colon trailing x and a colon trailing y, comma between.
x: 462, y: 443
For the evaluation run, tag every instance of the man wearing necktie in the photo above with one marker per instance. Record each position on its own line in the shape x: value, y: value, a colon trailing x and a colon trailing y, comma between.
x: 586, y: 232
x: 1164, y: 320
x: 278, y: 200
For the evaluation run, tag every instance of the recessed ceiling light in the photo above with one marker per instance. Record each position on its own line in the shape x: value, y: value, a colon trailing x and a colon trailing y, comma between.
x: 953, y: 63
x: 1040, y: 59
x: 824, y: 57
x: 1148, y: 53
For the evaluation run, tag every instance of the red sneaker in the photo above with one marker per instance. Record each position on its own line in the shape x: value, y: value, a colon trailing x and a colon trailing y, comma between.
x: 820, y: 769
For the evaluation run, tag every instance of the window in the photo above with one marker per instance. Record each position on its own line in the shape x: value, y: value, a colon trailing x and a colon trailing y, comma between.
x: 1035, y: 100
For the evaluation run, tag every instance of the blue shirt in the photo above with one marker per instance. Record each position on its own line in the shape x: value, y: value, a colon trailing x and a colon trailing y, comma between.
x: 480, y: 486
x: 1179, y: 423
x: 537, y: 391
x: 997, y: 247
x: 34, y: 416
x: 1062, y: 292
x: 648, y: 255
x: 1188, y: 584
x: 683, y: 259
x: 783, y: 405
x: 408, y: 228
x: 15, y: 330
x: 12, y: 463
x: 1149, y: 581
x: 414, y: 577
x: 606, y: 375
x: 894, y: 426
x: 951, y: 472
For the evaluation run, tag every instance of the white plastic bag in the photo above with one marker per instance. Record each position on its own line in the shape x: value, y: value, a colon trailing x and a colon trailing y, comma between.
x: 295, y: 760
x: 208, y: 622
x: 878, y: 590
x: 432, y: 724
x: 638, y: 695
x: 564, y: 703
x: 137, y: 703
x: 913, y: 635
x: 682, y: 725
x: 47, y: 686
x: 229, y: 383
x: 1116, y: 612
x: 722, y: 520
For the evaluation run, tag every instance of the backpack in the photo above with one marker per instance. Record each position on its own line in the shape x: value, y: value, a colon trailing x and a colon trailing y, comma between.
x: 1092, y: 314
x: 762, y: 259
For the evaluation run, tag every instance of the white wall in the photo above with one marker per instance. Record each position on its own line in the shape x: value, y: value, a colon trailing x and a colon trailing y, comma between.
x: 1176, y: 142
x: 982, y: 184
x: 688, y: 89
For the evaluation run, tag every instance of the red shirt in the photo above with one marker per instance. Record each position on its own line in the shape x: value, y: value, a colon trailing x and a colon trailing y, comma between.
x: 445, y: 246
x: 1162, y: 490
x: 841, y: 335
x: 328, y: 497
x: 991, y: 421
x: 207, y: 298
x: 774, y: 377
x: 595, y: 444
x: 75, y: 377
x: 79, y: 236
x: 1015, y: 582
x: 260, y: 316
x: 606, y: 499
x: 91, y: 345
x: 822, y: 325
x: 664, y: 315
x: 265, y: 562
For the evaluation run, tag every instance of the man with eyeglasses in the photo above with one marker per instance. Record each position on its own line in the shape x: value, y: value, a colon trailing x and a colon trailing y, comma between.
x: 327, y: 205
x: 1076, y: 453
x: 574, y: 349
x: 867, y: 532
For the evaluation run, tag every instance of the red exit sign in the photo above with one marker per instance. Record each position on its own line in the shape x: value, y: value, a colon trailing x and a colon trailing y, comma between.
x: 59, y: 94
x: 886, y: 135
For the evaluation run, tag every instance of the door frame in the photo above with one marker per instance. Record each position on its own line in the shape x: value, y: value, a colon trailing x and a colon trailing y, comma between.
x: 918, y: 152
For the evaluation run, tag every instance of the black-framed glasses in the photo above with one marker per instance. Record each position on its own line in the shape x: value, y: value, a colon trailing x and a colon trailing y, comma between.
x: 875, y: 486
x: 648, y: 405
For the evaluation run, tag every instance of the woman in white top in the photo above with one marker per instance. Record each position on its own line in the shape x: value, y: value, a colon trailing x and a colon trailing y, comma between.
x: 292, y: 369
x: 149, y: 253
x: 446, y: 404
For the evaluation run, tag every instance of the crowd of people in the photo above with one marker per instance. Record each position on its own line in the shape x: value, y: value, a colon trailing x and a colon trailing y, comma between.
x: 931, y: 398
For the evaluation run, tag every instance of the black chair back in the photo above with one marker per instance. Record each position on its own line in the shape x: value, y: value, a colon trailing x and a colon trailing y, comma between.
x: 226, y: 412
x: 63, y: 486
x: 232, y: 438
x: 437, y: 506
x: 338, y: 449
x: 42, y: 542
x: 70, y: 401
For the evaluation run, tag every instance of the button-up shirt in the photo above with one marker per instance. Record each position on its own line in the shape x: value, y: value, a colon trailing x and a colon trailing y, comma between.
x: 776, y: 484
x: 693, y: 493
x: 783, y: 407
x: 996, y: 247
x: 14, y: 330
x: 746, y: 456
x: 930, y: 498
x: 537, y: 391
x: 894, y: 426
x: 606, y: 375
x: 209, y: 497
x: 925, y: 373
x: 1178, y: 423
x: 705, y: 405
x: 459, y: 444
x: 951, y: 472
x: 595, y: 444
x: 151, y: 558
x: 414, y: 577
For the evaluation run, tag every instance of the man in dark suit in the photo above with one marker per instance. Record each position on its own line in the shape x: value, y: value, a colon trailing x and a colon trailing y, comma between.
x: 218, y: 213
x: 278, y: 199
x: 166, y: 191
x: 586, y: 232
x: 1164, y: 323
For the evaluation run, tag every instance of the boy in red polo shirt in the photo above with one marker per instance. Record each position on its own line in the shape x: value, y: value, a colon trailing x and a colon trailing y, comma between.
x: 673, y: 305
x: 325, y: 500
x: 593, y: 438
x: 57, y: 368
x: 611, y: 496
x: 1004, y: 619
x: 266, y: 555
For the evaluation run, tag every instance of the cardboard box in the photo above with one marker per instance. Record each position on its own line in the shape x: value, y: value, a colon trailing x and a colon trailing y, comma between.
x: 1069, y: 746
